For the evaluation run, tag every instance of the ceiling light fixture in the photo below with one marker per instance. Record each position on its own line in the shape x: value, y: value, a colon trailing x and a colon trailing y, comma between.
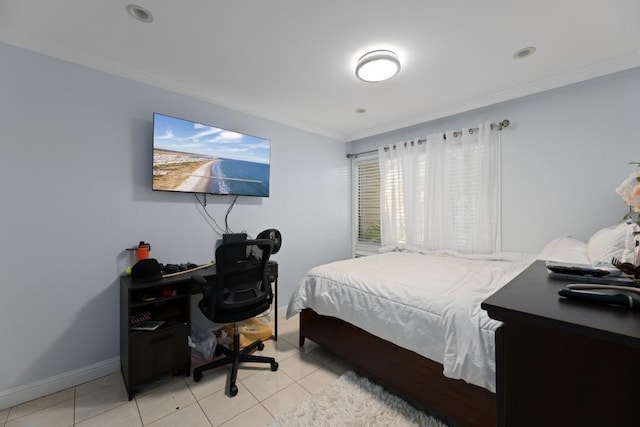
x: 524, y: 52
x: 377, y: 66
x: 140, y: 13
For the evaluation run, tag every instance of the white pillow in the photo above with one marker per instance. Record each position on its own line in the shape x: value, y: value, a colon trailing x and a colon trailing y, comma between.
x: 616, y: 241
x: 565, y: 249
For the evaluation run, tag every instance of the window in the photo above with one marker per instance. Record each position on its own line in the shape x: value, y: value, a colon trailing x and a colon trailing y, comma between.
x: 443, y: 194
x: 366, y: 195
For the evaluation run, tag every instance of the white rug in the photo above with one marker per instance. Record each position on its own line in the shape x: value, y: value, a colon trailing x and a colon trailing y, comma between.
x: 352, y: 400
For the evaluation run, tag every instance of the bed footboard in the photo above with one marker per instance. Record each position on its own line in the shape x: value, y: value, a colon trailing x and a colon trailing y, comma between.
x: 406, y: 373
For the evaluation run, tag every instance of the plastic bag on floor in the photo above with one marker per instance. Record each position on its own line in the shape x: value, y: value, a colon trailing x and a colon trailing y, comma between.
x: 203, y: 336
x: 204, y: 342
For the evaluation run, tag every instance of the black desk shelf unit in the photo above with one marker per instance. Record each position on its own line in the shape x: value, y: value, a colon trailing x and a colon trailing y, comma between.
x: 148, y: 355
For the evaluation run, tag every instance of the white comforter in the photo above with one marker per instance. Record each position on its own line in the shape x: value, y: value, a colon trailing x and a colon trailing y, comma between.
x: 425, y: 302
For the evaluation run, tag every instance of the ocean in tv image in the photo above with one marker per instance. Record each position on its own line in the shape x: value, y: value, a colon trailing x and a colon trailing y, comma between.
x: 230, y: 176
x: 192, y: 157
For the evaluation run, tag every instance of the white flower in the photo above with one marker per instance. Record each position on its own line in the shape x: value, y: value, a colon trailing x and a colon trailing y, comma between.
x: 629, y: 190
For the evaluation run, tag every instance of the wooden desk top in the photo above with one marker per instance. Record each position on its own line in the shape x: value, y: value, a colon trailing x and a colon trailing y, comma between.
x: 205, y: 272
x: 533, y: 297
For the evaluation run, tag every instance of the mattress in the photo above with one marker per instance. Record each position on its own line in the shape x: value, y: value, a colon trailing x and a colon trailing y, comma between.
x: 427, y: 302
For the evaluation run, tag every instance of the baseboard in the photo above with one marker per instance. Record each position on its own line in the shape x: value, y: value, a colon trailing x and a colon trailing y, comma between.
x: 282, y: 313
x: 34, y: 390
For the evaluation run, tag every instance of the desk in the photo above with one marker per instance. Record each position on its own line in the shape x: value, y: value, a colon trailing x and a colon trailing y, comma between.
x: 148, y: 355
x: 561, y: 362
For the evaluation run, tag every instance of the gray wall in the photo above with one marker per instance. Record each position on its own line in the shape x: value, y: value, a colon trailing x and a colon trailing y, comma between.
x: 563, y: 155
x: 75, y: 179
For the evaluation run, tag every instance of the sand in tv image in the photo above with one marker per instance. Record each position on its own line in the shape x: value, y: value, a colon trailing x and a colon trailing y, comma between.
x: 192, y: 157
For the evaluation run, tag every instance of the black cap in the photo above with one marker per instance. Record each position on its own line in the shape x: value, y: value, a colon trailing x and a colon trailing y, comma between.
x: 146, y: 270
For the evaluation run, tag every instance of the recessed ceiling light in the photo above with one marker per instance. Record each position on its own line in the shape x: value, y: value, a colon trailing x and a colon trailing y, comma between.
x: 140, y: 13
x: 377, y: 66
x: 360, y: 110
x: 524, y: 52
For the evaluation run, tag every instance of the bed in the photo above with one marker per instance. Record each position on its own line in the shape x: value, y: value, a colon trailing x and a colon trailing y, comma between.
x: 411, y: 320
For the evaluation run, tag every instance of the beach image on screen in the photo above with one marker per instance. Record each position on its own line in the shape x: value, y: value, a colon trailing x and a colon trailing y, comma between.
x: 193, y: 157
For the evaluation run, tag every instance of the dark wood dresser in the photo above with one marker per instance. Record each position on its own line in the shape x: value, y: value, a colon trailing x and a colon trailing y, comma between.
x: 563, y: 362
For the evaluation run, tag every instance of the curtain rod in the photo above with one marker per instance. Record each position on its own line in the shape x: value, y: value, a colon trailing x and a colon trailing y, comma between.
x: 499, y: 126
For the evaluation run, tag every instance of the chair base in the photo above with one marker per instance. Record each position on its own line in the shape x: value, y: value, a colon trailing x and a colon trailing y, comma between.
x: 234, y: 358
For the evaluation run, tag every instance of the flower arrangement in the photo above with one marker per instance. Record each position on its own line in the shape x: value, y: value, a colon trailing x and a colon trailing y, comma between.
x: 629, y: 190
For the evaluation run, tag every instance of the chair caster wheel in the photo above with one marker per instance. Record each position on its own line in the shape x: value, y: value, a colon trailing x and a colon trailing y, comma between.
x: 233, y: 390
x: 197, y: 376
x: 260, y: 346
x: 274, y: 366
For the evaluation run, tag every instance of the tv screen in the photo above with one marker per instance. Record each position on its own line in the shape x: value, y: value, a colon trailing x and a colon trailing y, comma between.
x: 197, y: 158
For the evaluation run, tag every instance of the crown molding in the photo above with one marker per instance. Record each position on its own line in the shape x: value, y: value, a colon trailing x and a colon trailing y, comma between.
x: 586, y: 73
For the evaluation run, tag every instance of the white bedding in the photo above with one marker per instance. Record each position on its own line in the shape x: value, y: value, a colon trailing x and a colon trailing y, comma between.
x: 425, y: 302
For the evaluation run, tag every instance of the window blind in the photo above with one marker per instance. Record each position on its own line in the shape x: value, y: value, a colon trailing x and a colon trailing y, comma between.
x: 367, y: 188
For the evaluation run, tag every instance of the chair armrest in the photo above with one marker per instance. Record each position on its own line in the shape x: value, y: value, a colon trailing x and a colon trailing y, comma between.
x: 207, y: 289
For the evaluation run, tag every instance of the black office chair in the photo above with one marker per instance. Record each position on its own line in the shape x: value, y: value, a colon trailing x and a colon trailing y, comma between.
x: 241, y: 290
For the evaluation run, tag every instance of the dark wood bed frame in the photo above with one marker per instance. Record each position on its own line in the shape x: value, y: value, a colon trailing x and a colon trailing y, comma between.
x: 402, y: 371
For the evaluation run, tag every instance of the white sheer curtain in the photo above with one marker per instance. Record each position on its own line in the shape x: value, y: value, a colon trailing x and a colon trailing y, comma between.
x: 442, y: 193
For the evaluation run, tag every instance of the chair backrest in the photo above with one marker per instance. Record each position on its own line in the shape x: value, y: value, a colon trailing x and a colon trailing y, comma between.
x: 242, y: 287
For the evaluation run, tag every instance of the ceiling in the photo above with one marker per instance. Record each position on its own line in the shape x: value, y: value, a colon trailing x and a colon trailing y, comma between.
x: 292, y: 61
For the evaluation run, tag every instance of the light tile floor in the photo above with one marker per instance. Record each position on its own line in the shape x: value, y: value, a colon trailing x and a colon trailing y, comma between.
x: 179, y: 401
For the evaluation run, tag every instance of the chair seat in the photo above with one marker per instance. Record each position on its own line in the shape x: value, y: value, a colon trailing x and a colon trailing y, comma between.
x: 231, y: 316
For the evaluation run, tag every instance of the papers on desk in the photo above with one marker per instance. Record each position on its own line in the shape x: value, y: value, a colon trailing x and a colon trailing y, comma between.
x: 147, y: 325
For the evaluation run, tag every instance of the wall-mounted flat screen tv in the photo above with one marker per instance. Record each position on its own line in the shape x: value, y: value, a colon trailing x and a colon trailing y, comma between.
x: 197, y: 158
